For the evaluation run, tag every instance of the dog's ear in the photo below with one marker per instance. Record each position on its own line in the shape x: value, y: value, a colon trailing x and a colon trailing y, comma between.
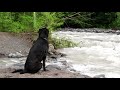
x: 39, y: 31
x: 46, y: 31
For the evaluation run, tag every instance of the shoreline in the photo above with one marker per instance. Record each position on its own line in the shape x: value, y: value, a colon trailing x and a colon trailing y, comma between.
x: 92, y: 30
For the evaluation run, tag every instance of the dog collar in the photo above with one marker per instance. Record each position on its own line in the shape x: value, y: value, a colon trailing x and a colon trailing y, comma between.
x: 45, y: 39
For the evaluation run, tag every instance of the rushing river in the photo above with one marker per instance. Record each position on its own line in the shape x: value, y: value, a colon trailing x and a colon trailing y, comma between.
x: 97, y: 53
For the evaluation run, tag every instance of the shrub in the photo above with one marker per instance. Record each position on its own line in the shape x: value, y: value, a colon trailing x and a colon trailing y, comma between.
x: 62, y: 43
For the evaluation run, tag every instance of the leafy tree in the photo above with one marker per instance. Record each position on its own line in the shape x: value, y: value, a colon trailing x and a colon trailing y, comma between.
x: 102, y: 19
x: 77, y: 19
x: 89, y: 19
x: 116, y: 23
x: 32, y: 21
x: 51, y: 20
x: 5, y: 21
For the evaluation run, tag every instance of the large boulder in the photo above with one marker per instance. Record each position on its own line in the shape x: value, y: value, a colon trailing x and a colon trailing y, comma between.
x: 51, y: 49
x: 52, y: 53
x: 15, y: 55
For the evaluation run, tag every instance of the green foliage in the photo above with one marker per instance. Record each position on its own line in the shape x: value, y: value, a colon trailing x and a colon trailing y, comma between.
x: 23, y: 24
x: 77, y: 19
x: 16, y: 27
x: 5, y: 21
x: 26, y: 21
x: 62, y: 43
x: 29, y: 21
x: 116, y: 23
x: 51, y: 20
x: 89, y: 19
x: 102, y: 19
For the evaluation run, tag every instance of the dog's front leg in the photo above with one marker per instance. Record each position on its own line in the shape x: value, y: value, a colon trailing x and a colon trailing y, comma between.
x: 44, y: 58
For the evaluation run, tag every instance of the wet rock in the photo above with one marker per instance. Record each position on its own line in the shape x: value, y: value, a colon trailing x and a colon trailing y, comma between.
x: 106, y: 31
x: 15, y: 55
x: 53, y: 67
x: 98, y: 31
x: 99, y: 76
x: 58, y: 54
x: 63, y: 62
x: 110, y: 31
x: 49, y: 59
x: 66, y: 65
x: 95, y: 30
x: 2, y: 55
x: 19, y: 64
x: 51, y: 49
x: 7, y: 76
x: 53, y: 54
x: 73, y: 70
x: 118, y: 32
x: 86, y: 76
x: 63, y: 55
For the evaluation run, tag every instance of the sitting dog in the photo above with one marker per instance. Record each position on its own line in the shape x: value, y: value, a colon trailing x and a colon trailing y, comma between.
x: 37, y: 53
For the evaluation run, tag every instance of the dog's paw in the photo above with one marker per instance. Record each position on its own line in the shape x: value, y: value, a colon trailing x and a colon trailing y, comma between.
x: 46, y: 70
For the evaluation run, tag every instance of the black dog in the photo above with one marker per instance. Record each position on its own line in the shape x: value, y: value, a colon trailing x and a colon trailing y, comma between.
x: 37, y: 53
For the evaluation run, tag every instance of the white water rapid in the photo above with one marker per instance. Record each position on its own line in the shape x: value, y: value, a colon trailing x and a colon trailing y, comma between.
x: 97, y: 53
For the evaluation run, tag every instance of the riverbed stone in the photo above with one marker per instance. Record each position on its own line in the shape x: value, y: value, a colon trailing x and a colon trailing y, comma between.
x: 53, y: 67
x: 99, y: 76
x: 94, y: 30
x: 2, y: 55
x: 15, y: 55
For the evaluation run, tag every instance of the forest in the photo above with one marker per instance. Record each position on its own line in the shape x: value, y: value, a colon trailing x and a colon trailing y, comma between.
x: 31, y: 21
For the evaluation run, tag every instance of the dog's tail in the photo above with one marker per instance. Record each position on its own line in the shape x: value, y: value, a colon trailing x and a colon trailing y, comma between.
x: 19, y: 70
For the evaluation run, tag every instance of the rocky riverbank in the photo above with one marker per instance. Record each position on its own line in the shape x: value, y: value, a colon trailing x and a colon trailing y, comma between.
x: 56, y: 67
x: 94, y: 30
x: 13, y: 53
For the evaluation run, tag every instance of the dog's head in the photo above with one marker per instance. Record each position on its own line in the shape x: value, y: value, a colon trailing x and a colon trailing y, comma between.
x: 43, y: 32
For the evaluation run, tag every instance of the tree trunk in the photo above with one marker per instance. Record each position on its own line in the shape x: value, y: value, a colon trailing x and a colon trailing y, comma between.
x: 34, y: 20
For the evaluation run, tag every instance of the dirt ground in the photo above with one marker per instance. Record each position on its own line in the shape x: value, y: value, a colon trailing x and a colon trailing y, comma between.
x: 10, y: 43
x: 6, y: 73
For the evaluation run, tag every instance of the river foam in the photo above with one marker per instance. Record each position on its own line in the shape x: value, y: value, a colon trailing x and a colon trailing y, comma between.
x: 97, y: 53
